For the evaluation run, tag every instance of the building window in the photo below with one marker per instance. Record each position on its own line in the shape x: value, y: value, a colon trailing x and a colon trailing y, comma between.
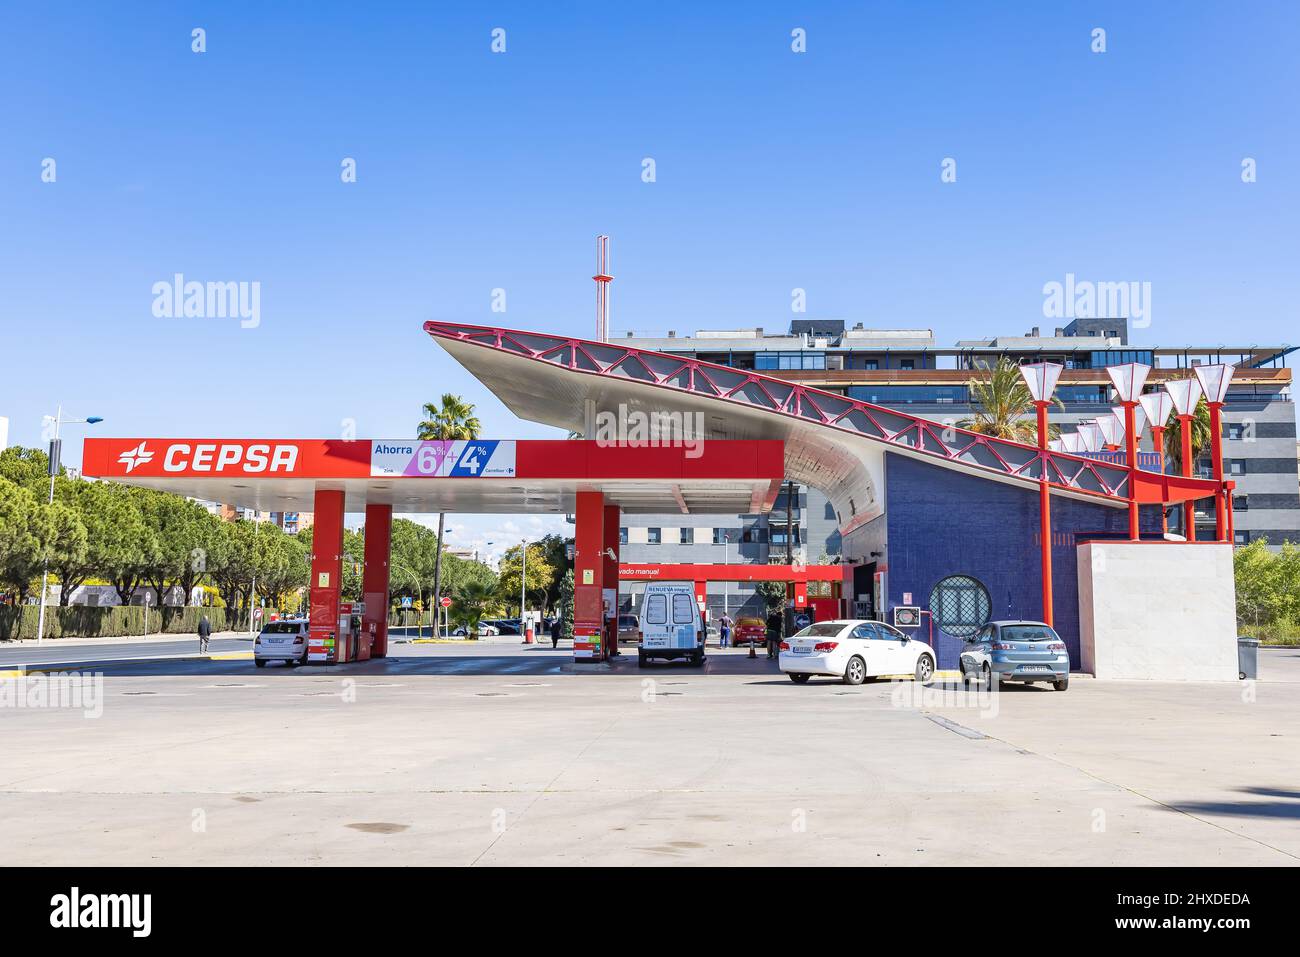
x: 871, y: 365
x: 789, y: 360
x: 778, y: 535
x: 1236, y: 466
x: 719, y: 536
x: 1240, y: 503
x: 1240, y: 537
x: 753, y: 535
x: 1235, y: 431
x: 960, y: 605
x: 622, y: 535
x: 686, y: 536
x: 907, y: 363
x: 653, y: 536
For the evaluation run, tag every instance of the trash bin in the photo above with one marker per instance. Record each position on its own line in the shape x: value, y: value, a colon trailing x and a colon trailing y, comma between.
x: 1247, y: 657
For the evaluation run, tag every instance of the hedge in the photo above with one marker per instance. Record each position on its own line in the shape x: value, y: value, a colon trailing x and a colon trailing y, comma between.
x: 80, y: 621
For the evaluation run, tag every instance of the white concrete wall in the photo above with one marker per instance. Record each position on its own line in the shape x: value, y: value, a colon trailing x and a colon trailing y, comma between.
x: 1157, y: 611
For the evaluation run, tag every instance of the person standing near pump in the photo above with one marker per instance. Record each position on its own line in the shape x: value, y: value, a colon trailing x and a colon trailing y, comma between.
x: 205, y: 632
x: 724, y: 630
x: 775, y: 623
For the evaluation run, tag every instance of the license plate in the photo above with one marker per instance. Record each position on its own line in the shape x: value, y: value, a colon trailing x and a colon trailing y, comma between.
x: 1034, y: 668
x: 803, y: 649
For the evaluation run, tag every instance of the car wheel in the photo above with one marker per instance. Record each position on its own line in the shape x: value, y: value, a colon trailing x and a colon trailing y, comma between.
x: 924, y: 668
x: 303, y: 659
x: 856, y: 671
x: 986, y: 675
x: 798, y: 679
x: 260, y: 662
x: 640, y: 659
x: 1061, y: 685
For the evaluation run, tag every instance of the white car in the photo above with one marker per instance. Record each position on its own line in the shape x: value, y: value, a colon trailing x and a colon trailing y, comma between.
x: 854, y: 650
x: 281, y: 641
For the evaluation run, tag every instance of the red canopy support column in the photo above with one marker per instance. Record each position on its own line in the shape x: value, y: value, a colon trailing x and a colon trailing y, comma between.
x: 1044, y: 514
x: 1216, y: 450
x: 1189, y: 506
x: 613, y: 515
x: 326, y: 576
x: 1131, y: 454
x: 589, y: 577
x: 374, y: 588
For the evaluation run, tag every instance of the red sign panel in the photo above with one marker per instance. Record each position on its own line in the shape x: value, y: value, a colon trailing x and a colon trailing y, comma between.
x: 247, y: 458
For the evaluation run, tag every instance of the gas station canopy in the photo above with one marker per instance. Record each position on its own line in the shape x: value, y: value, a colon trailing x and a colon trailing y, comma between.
x: 479, y: 475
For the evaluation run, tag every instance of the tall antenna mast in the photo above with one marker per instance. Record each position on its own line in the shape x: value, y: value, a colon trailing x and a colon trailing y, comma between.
x: 603, y: 279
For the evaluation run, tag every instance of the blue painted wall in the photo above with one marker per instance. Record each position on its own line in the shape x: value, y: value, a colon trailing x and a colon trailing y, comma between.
x: 941, y: 523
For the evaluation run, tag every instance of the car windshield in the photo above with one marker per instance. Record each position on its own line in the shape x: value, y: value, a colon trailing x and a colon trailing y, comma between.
x: 825, y: 629
x: 1028, y: 633
x: 282, y: 628
x: 627, y: 621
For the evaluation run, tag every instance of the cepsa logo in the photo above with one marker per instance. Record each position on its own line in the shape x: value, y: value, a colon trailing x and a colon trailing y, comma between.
x: 224, y: 457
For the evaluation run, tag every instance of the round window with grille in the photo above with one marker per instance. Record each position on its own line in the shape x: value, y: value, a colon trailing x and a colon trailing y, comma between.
x: 960, y: 605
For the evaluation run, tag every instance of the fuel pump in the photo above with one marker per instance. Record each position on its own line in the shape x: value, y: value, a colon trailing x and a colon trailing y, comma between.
x: 346, y: 642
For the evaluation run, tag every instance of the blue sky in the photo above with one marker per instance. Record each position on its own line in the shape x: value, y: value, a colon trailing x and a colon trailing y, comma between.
x: 478, y: 171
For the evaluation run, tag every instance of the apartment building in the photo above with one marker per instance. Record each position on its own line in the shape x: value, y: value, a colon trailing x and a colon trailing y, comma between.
x: 908, y: 370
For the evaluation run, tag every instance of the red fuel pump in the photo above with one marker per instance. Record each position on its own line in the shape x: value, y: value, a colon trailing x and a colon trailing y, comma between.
x: 347, y: 642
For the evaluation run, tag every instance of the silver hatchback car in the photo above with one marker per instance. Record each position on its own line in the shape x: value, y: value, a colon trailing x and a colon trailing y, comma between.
x: 1025, y: 651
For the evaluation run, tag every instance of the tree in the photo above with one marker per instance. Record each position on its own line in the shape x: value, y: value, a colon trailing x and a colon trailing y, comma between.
x: 28, y: 468
x: 1004, y: 405
x: 540, y: 574
x: 555, y: 548
x: 183, y: 535
x: 23, y: 535
x: 231, y: 562
x: 564, y: 604
x: 453, y: 420
x: 473, y: 602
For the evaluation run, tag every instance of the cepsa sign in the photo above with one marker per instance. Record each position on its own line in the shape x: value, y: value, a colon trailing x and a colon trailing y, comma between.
x: 148, y: 458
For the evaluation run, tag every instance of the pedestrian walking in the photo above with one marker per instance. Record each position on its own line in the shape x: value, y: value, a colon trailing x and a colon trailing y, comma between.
x: 775, y: 623
x: 205, y: 632
x: 724, y: 630
x: 557, y: 628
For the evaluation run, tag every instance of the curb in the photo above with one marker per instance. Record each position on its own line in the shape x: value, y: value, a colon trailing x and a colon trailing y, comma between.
x: 48, y: 667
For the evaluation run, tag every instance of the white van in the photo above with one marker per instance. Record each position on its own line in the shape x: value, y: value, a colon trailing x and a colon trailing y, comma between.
x: 671, y: 626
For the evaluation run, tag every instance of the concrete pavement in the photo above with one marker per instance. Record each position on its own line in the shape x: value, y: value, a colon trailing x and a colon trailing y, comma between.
x: 505, y: 755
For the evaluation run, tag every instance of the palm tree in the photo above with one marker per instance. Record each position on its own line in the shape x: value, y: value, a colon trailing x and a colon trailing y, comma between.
x: 472, y: 603
x: 454, y: 420
x: 1174, y: 436
x: 1004, y: 405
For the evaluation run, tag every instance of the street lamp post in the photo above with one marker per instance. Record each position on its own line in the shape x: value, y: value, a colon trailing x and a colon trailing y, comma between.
x: 1128, y: 380
x: 1215, y: 380
x: 1158, y: 406
x: 1090, y: 437
x: 56, y: 454
x: 1041, y: 378
x: 1185, y: 394
x: 1112, y: 431
x: 523, y: 578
